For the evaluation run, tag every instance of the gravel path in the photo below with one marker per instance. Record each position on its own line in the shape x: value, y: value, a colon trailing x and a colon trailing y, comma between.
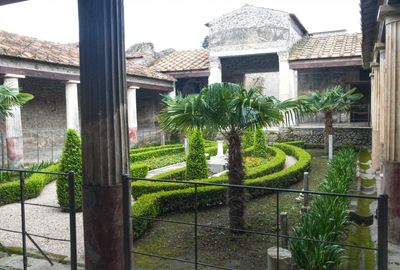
x: 50, y: 222
x: 289, y: 161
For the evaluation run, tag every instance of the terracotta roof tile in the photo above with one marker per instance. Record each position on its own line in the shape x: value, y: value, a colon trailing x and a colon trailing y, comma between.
x: 15, y: 45
x: 327, y: 46
x: 183, y: 61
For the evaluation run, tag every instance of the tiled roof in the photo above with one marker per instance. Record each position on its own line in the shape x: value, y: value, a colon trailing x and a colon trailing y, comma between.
x: 18, y: 46
x: 34, y: 49
x: 183, y: 61
x: 133, y: 68
x: 327, y: 46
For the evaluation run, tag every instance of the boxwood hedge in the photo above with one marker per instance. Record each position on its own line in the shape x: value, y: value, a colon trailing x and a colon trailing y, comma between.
x: 151, y: 205
x: 10, y: 191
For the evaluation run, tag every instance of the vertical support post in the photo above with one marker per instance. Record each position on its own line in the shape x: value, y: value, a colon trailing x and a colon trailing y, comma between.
x: 127, y: 221
x: 105, y: 156
x: 306, y: 188
x: 215, y: 70
x: 383, y: 232
x: 162, y: 138
x: 186, y: 145
x: 330, y: 147
x: 52, y: 146
x: 72, y: 110
x: 23, y: 229
x: 284, y: 229
x: 72, y: 220
x: 277, y: 230
x: 132, y: 115
x: 37, y: 146
x: 195, y: 227
x: 2, y: 151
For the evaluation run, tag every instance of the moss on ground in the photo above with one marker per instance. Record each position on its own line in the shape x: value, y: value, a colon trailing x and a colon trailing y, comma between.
x: 219, y: 246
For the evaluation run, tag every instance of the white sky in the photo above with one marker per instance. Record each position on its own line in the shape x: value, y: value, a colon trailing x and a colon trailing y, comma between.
x: 177, y: 24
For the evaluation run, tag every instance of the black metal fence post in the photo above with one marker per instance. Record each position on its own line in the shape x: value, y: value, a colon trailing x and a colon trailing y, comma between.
x: 277, y: 229
x: 126, y: 196
x: 195, y: 227
x: 383, y: 232
x: 72, y: 220
x: 23, y: 230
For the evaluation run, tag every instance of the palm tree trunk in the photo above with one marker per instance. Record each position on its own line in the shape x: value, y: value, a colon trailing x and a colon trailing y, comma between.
x: 328, y: 130
x: 236, y: 198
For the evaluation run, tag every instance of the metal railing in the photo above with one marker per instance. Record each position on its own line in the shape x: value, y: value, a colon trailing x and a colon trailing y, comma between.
x: 382, y: 215
x: 30, y: 236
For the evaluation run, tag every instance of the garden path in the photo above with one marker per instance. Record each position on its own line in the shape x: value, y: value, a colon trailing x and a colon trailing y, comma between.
x: 50, y: 222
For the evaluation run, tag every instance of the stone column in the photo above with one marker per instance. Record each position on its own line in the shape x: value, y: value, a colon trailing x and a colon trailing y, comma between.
x: 382, y: 93
x: 172, y: 94
x: 132, y: 115
x: 71, y: 97
x: 215, y: 70
x: 376, y: 146
x: 14, y: 138
x: 104, y: 129
x: 287, y: 81
x: 391, y: 17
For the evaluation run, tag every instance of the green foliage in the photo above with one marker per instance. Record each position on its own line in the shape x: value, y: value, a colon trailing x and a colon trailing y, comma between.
x: 276, y: 164
x: 166, y: 197
x: 71, y: 161
x: 260, y: 147
x: 10, y: 97
x: 10, y: 191
x: 196, y: 163
x: 139, y: 170
x: 153, y: 148
x: 299, y: 143
x: 135, y: 157
x: 327, y: 218
x: 247, y: 138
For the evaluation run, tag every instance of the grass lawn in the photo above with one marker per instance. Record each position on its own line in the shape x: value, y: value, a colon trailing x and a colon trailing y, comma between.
x: 218, y: 246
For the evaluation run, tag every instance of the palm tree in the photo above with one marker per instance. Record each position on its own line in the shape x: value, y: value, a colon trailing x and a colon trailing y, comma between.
x: 330, y: 100
x: 229, y: 109
x: 10, y: 97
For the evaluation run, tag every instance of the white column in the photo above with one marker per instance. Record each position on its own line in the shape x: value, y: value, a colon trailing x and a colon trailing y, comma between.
x: 215, y: 70
x: 172, y: 94
x: 287, y: 81
x: 132, y: 115
x: 72, y: 111
x: 14, y: 138
x: 287, y: 78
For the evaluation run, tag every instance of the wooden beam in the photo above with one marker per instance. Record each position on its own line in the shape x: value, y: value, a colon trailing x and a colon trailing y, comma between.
x: 151, y: 86
x: 388, y: 11
x: 325, y: 63
x: 40, y: 74
x: 189, y: 73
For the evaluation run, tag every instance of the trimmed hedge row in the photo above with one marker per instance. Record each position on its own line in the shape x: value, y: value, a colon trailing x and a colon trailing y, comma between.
x: 156, y: 153
x: 151, y: 205
x: 153, y: 148
x: 10, y: 191
x: 140, y: 188
x: 300, y: 144
x: 139, y: 170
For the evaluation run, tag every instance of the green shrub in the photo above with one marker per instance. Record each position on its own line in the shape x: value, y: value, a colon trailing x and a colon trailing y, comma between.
x: 179, y: 197
x: 158, y: 162
x: 196, y: 163
x: 276, y: 164
x: 153, y: 148
x: 10, y: 191
x: 299, y: 143
x: 248, y: 138
x: 156, y: 153
x: 139, y: 170
x: 71, y: 161
x: 326, y: 219
x: 260, y: 147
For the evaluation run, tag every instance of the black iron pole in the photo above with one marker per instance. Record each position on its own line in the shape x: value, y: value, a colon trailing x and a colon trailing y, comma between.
x: 383, y: 232
x: 277, y: 230
x: 23, y: 230
x: 72, y: 220
x: 195, y: 227
x: 127, y: 221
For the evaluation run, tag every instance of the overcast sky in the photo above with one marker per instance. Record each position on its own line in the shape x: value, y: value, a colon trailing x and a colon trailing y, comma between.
x: 177, y: 24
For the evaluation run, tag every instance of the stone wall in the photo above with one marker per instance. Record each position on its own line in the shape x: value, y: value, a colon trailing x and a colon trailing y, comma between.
x: 252, y: 27
x: 360, y: 136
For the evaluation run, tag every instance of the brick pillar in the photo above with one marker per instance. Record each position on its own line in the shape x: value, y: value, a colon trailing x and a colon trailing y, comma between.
x: 72, y: 109
x: 391, y: 17
x: 14, y: 138
x: 132, y: 115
